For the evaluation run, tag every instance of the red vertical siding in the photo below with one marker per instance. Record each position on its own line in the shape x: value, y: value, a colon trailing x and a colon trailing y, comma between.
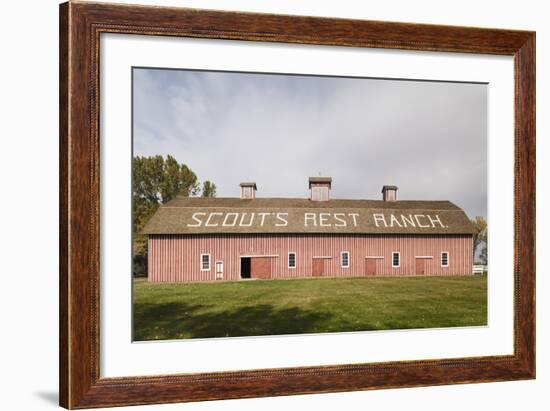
x: 176, y: 258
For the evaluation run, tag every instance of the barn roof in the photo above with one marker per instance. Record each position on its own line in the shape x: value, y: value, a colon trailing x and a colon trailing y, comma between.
x: 320, y: 180
x: 194, y: 215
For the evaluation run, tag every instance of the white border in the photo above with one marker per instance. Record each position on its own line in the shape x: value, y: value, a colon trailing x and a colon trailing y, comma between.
x: 120, y: 357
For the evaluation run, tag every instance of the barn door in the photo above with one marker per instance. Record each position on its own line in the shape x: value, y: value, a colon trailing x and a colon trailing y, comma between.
x: 318, y: 267
x: 260, y: 267
x: 370, y: 266
x: 420, y: 266
x: 219, y: 270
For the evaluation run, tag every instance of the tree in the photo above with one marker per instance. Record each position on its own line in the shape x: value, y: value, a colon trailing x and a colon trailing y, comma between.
x: 156, y: 181
x: 480, y: 236
x: 483, y: 254
x: 208, y: 189
x: 178, y: 179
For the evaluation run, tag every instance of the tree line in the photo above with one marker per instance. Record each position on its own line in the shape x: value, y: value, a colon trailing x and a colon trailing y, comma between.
x: 155, y: 181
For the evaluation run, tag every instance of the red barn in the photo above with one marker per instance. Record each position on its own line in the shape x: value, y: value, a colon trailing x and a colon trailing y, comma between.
x: 207, y: 239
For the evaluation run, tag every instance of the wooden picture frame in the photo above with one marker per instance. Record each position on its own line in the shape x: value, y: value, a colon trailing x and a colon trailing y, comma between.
x: 80, y: 27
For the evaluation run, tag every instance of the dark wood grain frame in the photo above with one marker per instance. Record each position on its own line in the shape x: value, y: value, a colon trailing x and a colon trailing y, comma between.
x: 80, y: 27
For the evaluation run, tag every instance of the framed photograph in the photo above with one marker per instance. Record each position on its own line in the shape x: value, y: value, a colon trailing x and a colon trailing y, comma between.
x: 258, y: 205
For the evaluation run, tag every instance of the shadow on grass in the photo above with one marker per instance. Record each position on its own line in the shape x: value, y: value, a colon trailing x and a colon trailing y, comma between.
x: 182, y: 320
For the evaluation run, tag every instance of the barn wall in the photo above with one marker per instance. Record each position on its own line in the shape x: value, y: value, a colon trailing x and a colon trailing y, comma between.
x: 176, y: 258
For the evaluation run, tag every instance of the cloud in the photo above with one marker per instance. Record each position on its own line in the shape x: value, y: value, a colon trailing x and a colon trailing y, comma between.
x: 428, y: 138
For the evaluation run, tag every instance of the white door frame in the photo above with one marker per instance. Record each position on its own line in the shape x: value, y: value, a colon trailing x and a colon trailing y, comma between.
x: 219, y: 262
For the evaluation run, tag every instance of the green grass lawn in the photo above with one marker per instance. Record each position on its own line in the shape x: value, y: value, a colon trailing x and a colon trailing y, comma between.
x: 230, y: 309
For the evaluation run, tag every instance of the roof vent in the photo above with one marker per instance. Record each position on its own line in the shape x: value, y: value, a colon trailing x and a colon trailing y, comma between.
x: 389, y: 193
x: 248, y: 191
x: 319, y: 188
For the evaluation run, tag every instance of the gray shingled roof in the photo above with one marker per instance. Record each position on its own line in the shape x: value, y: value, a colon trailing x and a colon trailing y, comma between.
x: 194, y: 215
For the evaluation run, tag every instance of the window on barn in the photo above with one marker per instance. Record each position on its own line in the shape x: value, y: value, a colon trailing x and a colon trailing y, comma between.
x: 205, y: 262
x: 291, y: 260
x: 445, y: 259
x: 344, y: 257
x: 396, y: 259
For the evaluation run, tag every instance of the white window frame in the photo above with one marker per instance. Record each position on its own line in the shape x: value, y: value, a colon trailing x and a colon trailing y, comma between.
x: 342, y: 259
x: 441, y: 259
x: 295, y: 260
x: 209, y: 263
x: 398, y: 259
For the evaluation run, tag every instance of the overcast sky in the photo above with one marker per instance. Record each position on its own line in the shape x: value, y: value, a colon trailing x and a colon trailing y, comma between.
x: 428, y: 138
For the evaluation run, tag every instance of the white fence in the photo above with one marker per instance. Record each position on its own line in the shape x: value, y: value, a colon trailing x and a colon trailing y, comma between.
x: 480, y: 269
